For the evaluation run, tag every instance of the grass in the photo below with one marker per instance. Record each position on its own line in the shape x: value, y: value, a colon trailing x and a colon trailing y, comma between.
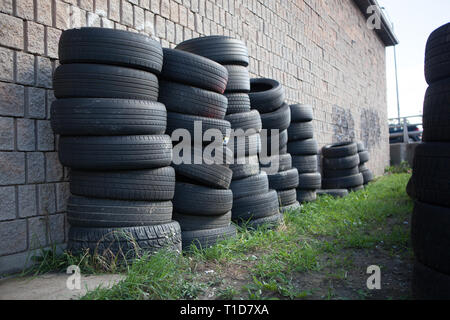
x: 320, y: 239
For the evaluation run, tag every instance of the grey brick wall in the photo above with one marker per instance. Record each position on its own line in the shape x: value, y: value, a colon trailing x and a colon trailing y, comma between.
x: 321, y: 51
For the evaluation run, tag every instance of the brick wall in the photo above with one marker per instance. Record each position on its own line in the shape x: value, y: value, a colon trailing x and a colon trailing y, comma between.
x: 320, y: 50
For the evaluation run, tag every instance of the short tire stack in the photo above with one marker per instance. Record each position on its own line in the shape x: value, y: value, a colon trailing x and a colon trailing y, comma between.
x: 112, y: 137
x: 364, y: 157
x: 192, y: 90
x: 267, y: 96
x: 304, y: 150
x: 430, y: 182
x: 253, y: 204
x: 340, y: 167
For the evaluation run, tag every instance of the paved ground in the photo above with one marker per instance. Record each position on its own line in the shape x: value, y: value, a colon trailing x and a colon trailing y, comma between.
x: 51, y: 286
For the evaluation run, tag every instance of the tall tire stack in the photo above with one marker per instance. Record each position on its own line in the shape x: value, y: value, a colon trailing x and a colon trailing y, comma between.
x: 112, y: 137
x: 267, y: 96
x: 340, y: 167
x: 192, y: 89
x: 304, y: 150
x: 253, y: 204
x: 430, y: 182
x: 364, y: 157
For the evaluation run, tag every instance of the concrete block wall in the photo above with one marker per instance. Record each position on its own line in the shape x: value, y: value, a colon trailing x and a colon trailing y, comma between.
x: 320, y: 50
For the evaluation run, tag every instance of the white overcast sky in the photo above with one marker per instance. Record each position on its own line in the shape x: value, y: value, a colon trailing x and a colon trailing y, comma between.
x: 413, y: 21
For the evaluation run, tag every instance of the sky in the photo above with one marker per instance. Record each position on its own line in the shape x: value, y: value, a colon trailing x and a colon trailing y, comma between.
x: 413, y: 21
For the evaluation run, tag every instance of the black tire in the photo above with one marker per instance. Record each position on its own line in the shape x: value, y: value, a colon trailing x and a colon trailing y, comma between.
x: 436, y: 115
x: 428, y: 284
x: 186, y: 99
x: 224, y: 50
x: 147, y: 185
x: 269, y: 164
x: 340, y: 150
x: 245, y: 146
x: 362, y: 167
x: 269, y: 222
x: 367, y: 175
x: 127, y: 242
x: 360, y: 146
x: 246, y: 121
x: 238, y: 103
x: 102, y: 81
x: 363, y: 157
x: 255, y: 207
x: 300, y: 131
x: 305, y: 164
x: 248, y: 167
x: 104, y: 117
x: 207, y: 237
x: 287, y: 197
x: 292, y: 207
x: 310, y: 181
x: 430, y: 236
x: 250, y: 186
x: 284, y: 180
x: 266, y: 95
x: 344, y: 182
x: 332, y: 173
x: 431, y: 173
x: 437, y: 55
x: 336, y: 193
x: 305, y: 196
x: 279, y: 119
x: 109, y: 46
x: 356, y: 189
x: 200, y: 200
x: 301, y: 113
x: 187, y: 121
x: 303, y: 147
x: 194, y: 70
x: 341, y: 163
x: 210, y: 175
x: 115, y: 152
x: 191, y: 223
x: 104, y: 213
x: 238, y: 79
x: 266, y: 144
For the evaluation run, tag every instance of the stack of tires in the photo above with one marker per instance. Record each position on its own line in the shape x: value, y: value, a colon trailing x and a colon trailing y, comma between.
x: 192, y: 89
x: 304, y: 150
x: 253, y: 203
x: 364, y: 156
x: 340, y: 167
x: 267, y: 96
x: 430, y: 183
x: 111, y: 131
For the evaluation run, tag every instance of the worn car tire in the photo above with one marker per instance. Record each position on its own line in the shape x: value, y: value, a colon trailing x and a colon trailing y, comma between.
x: 81, y: 80
x: 430, y: 236
x: 274, y: 164
x: 428, y: 284
x: 109, y: 46
x: 363, y: 157
x: 250, y: 186
x: 305, y: 164
x: 300, y: 131
x: 333, y: 173
x: 191, y: 222
x: 437, y: 55
x: 211, y: 175
x: 186, y: 99
x: 287, y: 197
x: 436, y: 116
x: 367, y: 175
x: 187, y: 121
x: 301, y: 113
x: 147, y: 185
x: 340, y: 150
x: 238, y: 79
x: 344, y: 182
x: 304, y: 196
x: 205, y: 238
x: 266, y: 95
x: 105, y: 117
x: 245, y: 167
x: 115, y: 152
x: 346, y: 162
x: 310, y: 181
x: 255, y: 207
x: 200, y: 200
x: 194, y: 70
x: 127, y: 241
x: 279, y: 119
x: 336, y: 193
x: 284, y: 180
x: 238, y: 103
x: 303, y: 147
x: 222, y: 49
x: 245, y: 121
x: 104, y: 213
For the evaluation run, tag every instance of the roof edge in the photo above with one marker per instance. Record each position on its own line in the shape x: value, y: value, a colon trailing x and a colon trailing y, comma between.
x: 386, y: 32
